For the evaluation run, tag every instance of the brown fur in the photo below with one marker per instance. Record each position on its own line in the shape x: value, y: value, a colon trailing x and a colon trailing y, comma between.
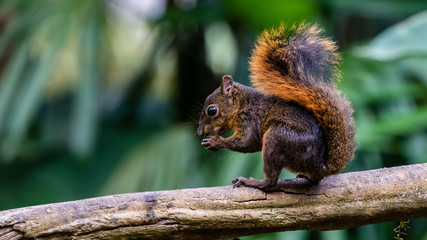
x: 296, y: 116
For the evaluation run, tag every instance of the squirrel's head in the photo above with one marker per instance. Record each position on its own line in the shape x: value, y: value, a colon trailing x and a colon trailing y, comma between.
x: 220, y: 109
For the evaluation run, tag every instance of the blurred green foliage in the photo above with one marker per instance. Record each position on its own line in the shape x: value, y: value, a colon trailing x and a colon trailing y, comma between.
x: 102, y: 97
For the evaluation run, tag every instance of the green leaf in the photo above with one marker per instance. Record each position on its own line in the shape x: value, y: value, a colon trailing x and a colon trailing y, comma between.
x: 408, y: 38
x: 392, y: 125
x: 262, y: 14
x: 9, y: 82
x: 30, y: 98
x: 83, y: 128
x: 163, y: 161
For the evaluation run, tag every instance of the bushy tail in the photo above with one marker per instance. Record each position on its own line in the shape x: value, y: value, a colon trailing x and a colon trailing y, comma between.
x: 296, y: 64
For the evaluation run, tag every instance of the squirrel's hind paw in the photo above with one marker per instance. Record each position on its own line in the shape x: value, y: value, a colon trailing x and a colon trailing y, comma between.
x: 239, y: 181
x: 252, y: 182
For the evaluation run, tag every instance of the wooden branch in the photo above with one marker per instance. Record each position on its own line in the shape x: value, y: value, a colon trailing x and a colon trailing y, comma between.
x: 337, y: 202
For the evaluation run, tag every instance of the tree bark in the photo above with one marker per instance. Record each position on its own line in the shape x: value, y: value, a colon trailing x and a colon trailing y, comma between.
x: 341, y: 201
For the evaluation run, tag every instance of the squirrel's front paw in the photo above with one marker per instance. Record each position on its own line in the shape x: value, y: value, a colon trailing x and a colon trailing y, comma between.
x: 212, y: 143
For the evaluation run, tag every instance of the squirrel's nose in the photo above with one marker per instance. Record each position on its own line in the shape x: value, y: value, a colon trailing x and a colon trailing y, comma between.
x: 200, y: 130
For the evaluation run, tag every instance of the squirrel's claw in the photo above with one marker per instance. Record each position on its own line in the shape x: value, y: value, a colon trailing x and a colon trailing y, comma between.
x: 239, y: 181
x: 211, y: 143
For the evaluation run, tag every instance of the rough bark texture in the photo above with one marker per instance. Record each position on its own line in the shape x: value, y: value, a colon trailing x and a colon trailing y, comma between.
x: 337, y: 202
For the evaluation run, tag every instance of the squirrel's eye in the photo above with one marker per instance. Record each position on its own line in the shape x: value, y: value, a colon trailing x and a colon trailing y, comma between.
x: 212, y: 111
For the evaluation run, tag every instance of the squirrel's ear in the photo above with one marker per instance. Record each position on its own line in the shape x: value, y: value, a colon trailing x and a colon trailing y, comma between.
x: 227, y: 85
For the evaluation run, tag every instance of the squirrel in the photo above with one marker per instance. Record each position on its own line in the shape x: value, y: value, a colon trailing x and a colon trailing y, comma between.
x: 295, y: 114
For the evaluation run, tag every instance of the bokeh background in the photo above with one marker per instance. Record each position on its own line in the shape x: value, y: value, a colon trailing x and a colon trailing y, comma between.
x: 101, y: 97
